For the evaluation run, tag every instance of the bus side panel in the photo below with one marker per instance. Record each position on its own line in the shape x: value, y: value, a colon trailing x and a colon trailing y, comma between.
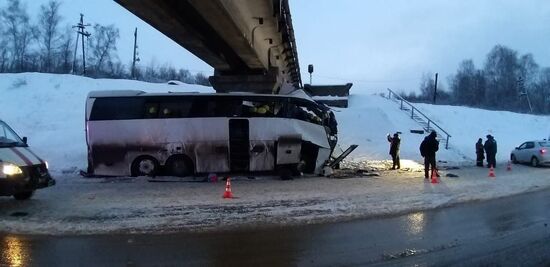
x: 273, y: 128
x: 316, y: 135
x: 211, y: 157
x: 262, y: 155
x: 115, y: 144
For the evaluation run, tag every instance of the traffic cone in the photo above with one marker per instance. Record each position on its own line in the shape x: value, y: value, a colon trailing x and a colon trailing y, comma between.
x: 492, y: 172
x: 227, y: 193
x: 434, y: 176
x: 509, y: 167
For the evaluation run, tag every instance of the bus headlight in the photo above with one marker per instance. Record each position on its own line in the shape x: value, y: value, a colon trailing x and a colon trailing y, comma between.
x: 11, y: 169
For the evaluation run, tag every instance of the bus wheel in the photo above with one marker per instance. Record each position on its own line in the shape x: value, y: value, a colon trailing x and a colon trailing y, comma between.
x: 145, y: 166
x: 179, y: 166
x: 23, y: 195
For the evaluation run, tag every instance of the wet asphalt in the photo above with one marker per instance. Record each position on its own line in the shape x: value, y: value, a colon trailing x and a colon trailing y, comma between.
x: 512, y: 231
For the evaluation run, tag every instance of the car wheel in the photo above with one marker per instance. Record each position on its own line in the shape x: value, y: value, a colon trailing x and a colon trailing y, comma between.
x: 23, y: 195
x: 179, y: 166
x: 513, y: 158
x: 534, y: 162
x: 145, y: 166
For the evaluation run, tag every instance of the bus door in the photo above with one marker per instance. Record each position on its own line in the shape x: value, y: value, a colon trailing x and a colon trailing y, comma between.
x: 239, y: 144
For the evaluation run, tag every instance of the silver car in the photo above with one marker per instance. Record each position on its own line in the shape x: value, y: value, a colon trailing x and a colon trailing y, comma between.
x: 534, y: 152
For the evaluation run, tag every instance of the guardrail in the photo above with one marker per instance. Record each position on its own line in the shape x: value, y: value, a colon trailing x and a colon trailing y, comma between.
x: 414, y: 110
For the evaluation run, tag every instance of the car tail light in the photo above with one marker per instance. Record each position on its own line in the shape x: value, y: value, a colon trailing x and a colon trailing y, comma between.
x: 543, y: 151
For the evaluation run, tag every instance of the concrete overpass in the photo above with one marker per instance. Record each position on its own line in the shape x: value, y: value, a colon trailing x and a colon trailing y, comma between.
x: 249, y: 43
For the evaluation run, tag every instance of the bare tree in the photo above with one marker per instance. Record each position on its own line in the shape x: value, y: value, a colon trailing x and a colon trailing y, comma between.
x: 102, y: 47
x: 502, y: 71
x: 18, y: 32
x: 49, y: 37
x: 202, y: 79
x: 3, y: 51
x: 65, y: 51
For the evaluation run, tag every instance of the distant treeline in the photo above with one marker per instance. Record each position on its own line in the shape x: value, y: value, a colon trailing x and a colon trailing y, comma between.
x: 507, y: 81
x: 46, y: 45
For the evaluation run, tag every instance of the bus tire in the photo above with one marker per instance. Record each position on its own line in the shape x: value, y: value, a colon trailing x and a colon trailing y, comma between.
x: 179, y: 165
x: 145, y: 166
x: 23, y: 195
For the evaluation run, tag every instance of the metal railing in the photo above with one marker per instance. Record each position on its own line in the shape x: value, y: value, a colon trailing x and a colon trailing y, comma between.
x: 414, y: 110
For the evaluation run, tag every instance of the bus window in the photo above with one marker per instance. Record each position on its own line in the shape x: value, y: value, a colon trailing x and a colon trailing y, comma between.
x: 229, y: 107
x: 151, y: 110
x: 262, y: 109
x: 305, y: 113
x: 178, y: 109
x: 117, y: 108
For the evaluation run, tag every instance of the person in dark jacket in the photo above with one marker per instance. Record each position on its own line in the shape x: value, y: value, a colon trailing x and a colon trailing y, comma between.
x: 428, y: 147
x: 480, y: 153
x: 491, y: 151
x: 395, y: 142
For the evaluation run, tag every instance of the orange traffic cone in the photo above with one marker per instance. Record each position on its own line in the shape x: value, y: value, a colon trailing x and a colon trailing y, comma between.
x: 492, y: 172
x: 509, y: 167
x: 434, y: 176
x: 227, y: 193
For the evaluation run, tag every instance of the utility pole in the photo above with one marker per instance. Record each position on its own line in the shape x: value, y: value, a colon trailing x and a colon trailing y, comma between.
x: 135, y: 59
x: 80, y: 32
x: 523, y: 92
x: 435, y: 87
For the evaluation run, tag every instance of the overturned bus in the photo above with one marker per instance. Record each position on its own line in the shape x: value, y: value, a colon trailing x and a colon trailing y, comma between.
x: 133, y: 133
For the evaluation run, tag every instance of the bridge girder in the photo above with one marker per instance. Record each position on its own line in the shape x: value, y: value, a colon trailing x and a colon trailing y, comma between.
x: 245, y: 41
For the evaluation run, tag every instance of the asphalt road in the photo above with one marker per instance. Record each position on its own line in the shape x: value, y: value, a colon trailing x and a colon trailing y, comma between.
x: 510, y: 231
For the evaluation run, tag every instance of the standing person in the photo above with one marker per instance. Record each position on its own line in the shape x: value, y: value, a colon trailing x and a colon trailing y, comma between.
x: 395, y: 142
x: 491, y: 151
x: 428, y: 147
x: 480, y: 152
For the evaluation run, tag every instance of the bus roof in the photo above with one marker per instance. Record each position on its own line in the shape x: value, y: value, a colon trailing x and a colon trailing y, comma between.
x: 128, y: 93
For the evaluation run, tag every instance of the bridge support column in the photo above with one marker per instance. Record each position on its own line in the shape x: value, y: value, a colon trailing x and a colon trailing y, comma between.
x: 267, y: 83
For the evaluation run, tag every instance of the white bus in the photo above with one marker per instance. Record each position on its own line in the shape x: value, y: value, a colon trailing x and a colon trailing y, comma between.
x: 133, y: 133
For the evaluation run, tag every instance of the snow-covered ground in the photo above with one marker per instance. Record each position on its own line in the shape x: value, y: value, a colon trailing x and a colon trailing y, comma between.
x: 84, y: 206
x: 49, y: 109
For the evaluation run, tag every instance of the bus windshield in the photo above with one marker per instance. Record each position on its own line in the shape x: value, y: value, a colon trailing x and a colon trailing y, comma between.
x: 8, y: 137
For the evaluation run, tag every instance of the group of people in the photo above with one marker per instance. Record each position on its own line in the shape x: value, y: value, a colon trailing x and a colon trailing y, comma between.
x: 428, y: 149
x: 489, y: 149
x: 430, y: 146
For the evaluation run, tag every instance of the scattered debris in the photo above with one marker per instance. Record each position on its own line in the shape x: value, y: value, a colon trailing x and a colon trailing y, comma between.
x: 352, y: 173
x: 452, y: 175
x: 188, y: 179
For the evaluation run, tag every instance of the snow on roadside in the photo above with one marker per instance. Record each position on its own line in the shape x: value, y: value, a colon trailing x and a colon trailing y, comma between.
x: 133, y: 205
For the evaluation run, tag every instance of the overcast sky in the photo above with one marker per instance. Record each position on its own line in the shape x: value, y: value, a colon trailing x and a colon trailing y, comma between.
x: 375, y: 44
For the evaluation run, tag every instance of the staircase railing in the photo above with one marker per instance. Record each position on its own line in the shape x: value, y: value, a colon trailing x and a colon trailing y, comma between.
x: 405, y: 103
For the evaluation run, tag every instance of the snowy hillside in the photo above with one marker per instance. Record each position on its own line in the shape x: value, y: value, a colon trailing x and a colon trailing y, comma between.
x: 370, y: 118
x: 49, y: 109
